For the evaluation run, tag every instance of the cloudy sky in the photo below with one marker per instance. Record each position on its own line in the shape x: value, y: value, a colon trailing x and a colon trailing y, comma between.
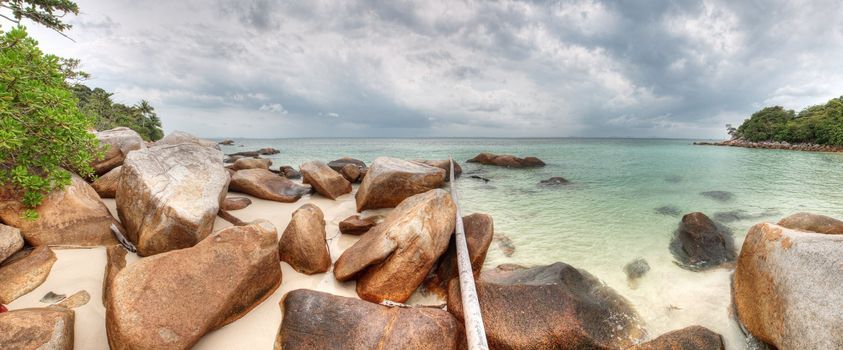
x: 514, y: 69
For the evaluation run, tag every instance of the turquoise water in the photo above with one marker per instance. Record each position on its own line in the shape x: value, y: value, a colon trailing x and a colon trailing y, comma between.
x: 607, y: 216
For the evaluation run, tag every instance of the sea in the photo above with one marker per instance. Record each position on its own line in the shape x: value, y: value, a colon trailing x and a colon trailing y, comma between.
x: 624, y: 200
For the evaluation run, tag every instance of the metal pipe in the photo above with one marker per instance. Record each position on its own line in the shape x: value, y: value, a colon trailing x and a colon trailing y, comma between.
x: 474, y: 330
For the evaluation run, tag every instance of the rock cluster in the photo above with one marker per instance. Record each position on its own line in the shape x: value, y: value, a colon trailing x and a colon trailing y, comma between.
x: 808, y: 147
x: 351, y: 169
x: 506, y: 160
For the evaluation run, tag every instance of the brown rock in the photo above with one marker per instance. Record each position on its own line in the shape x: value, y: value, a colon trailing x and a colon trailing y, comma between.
x: 350, y: 172
x: 354, y: 225
x: 506, y: 160
x: 317, y: 320
x: 550, y: 307
x: 393, y: 258
x: 389, y: 181
x: 688, y: 338
x: 115, y: 261
x: 74, y: 216
x: 226, y: 142
x: 37, y: 328
x: 443, y: 164
x: 235, y: 203
x: 117, y: 143
x: 289, y: 172
x: 251, y: 163
x: 168, y: 196
x: 479, y: 231
x: 172, y: 299
x: 106, y: 185
x: 10, y: 241
x: 268, y: 151
x: 338, y: 164
x: 264, y: 184
x: 324, y: 180
x: 303, y: 244
x: 813, y: 223
x: 699, y: 243
x: 78, y: 299
x: 23, y: 273
x: 179, y: 137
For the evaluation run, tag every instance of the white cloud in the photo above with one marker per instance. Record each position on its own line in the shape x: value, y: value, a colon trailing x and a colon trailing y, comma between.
x: 274, y: 107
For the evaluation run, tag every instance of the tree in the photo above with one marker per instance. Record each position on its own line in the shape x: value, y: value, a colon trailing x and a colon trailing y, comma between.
x: 48, y: 13
x: 820, y: 124
x: 42, y: 131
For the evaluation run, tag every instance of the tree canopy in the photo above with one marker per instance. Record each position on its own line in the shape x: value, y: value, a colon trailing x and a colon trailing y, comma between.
x: 820, y: 124
x: 48, y: 13
x: 97, y: 104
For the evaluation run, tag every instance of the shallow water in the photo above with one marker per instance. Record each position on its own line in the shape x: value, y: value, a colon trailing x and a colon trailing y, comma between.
x: 619, y: 206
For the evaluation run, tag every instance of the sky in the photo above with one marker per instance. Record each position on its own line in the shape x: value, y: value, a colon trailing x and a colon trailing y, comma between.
x: 272, y: 69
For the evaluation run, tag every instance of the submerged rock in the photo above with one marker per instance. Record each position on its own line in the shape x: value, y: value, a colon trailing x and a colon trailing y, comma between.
x: 251, y: 163
x: 264, y: 184
x: 324, y: 180
x: 668, y: 210
x: 393, y: 258
x: 354, y: 225
x: 24, y: 272
x: 48, y: 328
x: 303, y: 244
x: 505, y: 244
x: 813, y: 223
x: 741, y: 215
x: 10, y: 241
x: 506, y: 160
x: 172, y: 299
x: 106, y: 185
x: 479, y: 231
x: 554, y: 181
x: 700, y: 243
x: 673, y: 179
x: 720, y: 196
x: 235, y: 203
x: 390, y: 180
x: 317, y: 320
x: 117, y: 143
x: 636, y: 269
x: 788, y: 287
x: 688, y: 338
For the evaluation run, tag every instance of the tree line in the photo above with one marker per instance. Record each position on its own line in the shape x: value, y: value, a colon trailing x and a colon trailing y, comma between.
x: 820, y: 124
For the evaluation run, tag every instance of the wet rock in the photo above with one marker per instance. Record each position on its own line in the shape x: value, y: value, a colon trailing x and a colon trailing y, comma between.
x: 251, y: 163
x: 443, y: 164
x: 506, y: 160
x: 668, y: 210
x: 10, y: 241
x: 251, y: 154
x: 235, y: 203
x: 550, y: 307
x: 788, y: 287
x: 479, y: 231
x: 74, y: 216
x: 179, y: 137
x: 354, y: 225
x: 303, y: 244
x: 324, y: 180
x: 220, y: 279
x: 115, y: 261
x: 338, y: 164
x: 720, y: 196
x: 268, y: 151
x: 317, y: 320
x: 554, y: 181
x: 264, y: 184
x: 23, y: 273
x: 479, y: 178
x: 351, y: 173
x: 227, y: 142
x: 76, y: 300
x: 117, y: 143
x: 700, y: 243
x: 390, y: 180
x: 688, y: 338
x: 169, y: 196
x: 812, y: 223
x: 505, y: 244
x: 106, y: 185
x: 636, y: 269
x: 37, y: 328
x: 289, y: 172
x: 393, y: 258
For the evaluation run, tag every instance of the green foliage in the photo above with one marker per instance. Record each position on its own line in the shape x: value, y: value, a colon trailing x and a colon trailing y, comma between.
x: 821, y: 124
x: 42, y: 131
x: 48, y: 13
x: 97, y: 104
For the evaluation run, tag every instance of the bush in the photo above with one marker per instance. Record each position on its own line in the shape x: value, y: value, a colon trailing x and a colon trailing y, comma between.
x: 42, y: 131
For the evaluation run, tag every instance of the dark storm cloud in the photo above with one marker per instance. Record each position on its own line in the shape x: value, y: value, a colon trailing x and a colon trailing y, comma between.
x: 398, y: 68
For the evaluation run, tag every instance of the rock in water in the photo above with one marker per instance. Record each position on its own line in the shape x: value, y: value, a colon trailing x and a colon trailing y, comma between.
x: 788, y: 287
x: 443, y: 164
x: 700, y: 243
x: 506, y: 160
x: 10, y: 241
x: 636, y: 269
x: 317, y: 320
x: 74, y: 216
x: 479, y: 231
x: 48, y: 328
x: 235, y: 203
x: 115, y: 261
x: 226, y: 142
x: 720, y: 196
x: 264, y: 184
x: 106, y: 185
x: 169, y: 196
x: 813, y: 223
x: 251, y: 163
x: 354, y: 225
x: 118, y: 143
x: 338, y: 164
x: 389, y: 181
x: 669, y: 210
x: 393, y: 258
x: 324, y: 180
x: 303, y: 244
x: 688, y: 338
x: 170, y: 300
x: 550, y: 307
x: 554, y: 181
x: 24, y: 272
x: 179, y: 137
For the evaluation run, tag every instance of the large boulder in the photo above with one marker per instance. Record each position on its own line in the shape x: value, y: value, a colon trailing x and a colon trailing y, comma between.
x: 688, y: 338
x: 251, y: 163
x: 106, y: 185
x: 506, y: 160
x: 813, y: 223
x: 73, y: 216
x: 48, y: 328
x: 264, y: 184
x: 324, y: 180
x: 550, y: 307
x: 179, y: 137
x: 303, y: 244
x: 115, y: 261
x: 788, y: 287
x: 168, y: 196
x: 355, y: 225
x: 117, y: 143
x: 171, y: 300
x: 10, y: 241
x: 700, y: 243
x: 317, y: 320
x: 393, y: 258
x: 24, y: 272
x: 390, y: 180
x: 479, y: 232
x: 443, y: 164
